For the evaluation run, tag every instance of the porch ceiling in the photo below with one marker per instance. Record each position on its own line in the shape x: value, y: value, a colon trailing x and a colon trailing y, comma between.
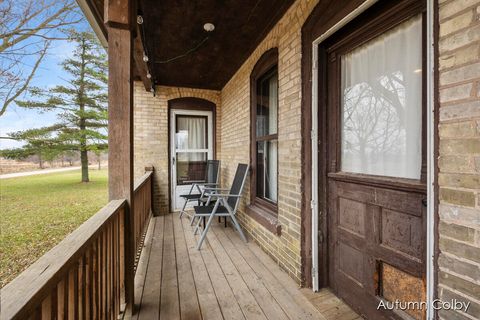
x: 182, y: 53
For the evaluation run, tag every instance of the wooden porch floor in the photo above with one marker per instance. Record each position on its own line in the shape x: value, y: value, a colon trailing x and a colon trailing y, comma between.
x: 226, y: 279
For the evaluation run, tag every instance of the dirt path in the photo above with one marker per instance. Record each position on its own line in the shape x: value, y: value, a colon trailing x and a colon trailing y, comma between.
x: 44, y: 171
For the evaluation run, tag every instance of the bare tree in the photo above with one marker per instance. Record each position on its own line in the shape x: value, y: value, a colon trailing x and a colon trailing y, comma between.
x: 27, y: 29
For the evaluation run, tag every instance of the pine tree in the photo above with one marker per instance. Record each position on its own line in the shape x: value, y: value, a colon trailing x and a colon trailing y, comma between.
x: 38, y: 143
x: 81, y: 104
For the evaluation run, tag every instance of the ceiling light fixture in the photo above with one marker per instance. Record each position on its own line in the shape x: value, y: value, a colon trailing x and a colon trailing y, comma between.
x: 209, y: 27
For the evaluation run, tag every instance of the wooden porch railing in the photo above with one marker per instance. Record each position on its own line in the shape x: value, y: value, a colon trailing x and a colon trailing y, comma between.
x: 83, y: 276
x: 143, y: 209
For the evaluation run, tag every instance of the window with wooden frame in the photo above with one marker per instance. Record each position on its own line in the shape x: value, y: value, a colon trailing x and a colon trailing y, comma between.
x: 264, y: 137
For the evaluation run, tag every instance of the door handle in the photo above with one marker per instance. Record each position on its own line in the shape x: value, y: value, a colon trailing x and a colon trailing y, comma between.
x: 173, y: 160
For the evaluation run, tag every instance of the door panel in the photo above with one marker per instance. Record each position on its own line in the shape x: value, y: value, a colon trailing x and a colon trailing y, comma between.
x: 375, y: 185
x: 401, y: 233
x: 352, y: 216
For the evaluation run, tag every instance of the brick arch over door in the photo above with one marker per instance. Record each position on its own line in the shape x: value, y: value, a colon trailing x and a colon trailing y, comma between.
x: 151, y: 133
x: 173, y: 93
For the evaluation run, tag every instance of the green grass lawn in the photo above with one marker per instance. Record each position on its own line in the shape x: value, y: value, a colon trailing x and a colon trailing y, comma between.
x: 37, y: 212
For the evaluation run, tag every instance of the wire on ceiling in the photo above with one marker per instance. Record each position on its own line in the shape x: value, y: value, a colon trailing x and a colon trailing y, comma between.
x: 188, y: 52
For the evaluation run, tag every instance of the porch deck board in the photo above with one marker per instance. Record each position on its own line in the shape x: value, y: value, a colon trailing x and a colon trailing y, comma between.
x: 330, y: 305
x: 169, y: 298
x: 226, y: 279
x: 189, y: 305
x: 150, y: 296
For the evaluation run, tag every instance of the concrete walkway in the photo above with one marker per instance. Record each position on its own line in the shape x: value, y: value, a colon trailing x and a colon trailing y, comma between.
x: 31, y: 173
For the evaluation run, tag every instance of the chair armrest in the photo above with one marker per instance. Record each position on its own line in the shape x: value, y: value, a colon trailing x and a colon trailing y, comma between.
x: 194, y: 181
x: 217, y: 189
x: 223, y: 195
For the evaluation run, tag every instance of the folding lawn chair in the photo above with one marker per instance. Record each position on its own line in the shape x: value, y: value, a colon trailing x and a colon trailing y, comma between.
x: 226, y: 204
x: 212, y: 175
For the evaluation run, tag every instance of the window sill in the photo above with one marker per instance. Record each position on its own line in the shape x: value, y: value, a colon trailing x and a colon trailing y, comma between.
x: 265, y: 217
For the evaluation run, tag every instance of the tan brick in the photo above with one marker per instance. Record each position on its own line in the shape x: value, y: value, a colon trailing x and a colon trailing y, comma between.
x: 477, y: 163
x: 465, y: 73
x: 451, y: 263
x: 457, y: 232
x: 468, y: 181
x: 459, y: 92
x: 467, y: 110
x: 468, y: 287
x: 460, y: 197
x: 448, y: 294
x: 460, y: 39
x: 454, y: 163
x: 459, y: 146
x: 467, y: 54
x: 460, y: 249
x: 453, y: 7
x: 462, y: 129
x: 459, y: 22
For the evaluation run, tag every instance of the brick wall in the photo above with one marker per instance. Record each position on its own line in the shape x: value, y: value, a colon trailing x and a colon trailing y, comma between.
x: 459, y: 161
x: 151, y: 134
x: 235, y: 136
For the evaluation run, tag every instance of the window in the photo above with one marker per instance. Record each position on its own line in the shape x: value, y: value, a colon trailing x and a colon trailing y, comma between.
x: 264, y: 134
x: 382, y: 104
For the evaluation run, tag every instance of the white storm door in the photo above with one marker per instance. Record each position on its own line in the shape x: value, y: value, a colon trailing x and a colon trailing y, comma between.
x: 191, y: 145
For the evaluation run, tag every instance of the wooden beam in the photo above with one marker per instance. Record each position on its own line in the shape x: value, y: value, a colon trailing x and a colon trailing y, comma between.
x: 141, y: 66
x: 118, y: 18
x: 119, y: 13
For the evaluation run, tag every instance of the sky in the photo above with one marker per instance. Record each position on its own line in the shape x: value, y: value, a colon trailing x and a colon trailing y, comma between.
x: 49, y: 74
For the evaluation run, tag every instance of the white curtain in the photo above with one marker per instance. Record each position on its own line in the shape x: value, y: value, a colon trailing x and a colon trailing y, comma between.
x: 272, y: 171
x: 273, y: 105
x: 382, y: 104
x: 191, y: 134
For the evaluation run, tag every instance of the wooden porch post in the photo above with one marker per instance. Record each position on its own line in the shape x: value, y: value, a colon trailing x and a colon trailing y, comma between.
x: 119, y: 20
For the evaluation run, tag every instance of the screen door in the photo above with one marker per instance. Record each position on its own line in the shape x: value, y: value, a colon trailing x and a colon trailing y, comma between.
x: 191, y: 134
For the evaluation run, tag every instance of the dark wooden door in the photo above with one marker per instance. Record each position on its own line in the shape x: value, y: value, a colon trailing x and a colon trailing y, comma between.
x: 377, y: 244
x: 375, y: 179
